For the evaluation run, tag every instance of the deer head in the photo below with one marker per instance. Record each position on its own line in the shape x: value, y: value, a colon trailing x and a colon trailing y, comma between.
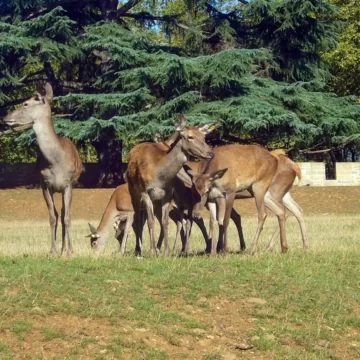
x: 205, y: 186
x: 94, y: 237
x: 32, y: 110
x: 193, y: 138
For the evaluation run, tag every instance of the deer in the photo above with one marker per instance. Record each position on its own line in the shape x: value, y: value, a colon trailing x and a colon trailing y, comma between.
x: 59, y: 162
x: 236, y: 168
x: 282, y: 183
x: 152, y: 171
x: 118, y: 212
x: 278, y: 193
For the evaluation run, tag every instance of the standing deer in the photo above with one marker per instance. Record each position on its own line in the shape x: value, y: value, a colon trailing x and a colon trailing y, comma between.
x: 278, y: 193
x: 249, y: 167
x: 284, y: 178
x: 59, y: 161
x: 152, y: 171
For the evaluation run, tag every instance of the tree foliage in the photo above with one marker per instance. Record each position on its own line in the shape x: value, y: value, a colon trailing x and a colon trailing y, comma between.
x: 256, y: 67
x: 345, y: 59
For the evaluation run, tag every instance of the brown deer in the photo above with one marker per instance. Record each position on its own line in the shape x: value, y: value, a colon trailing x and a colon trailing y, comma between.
x: 119, y: 214
x: 152, y: 171
x: 59, y: 161
x: 233, y: 169
x: 285, y: 176
x: 120, y: 211
x: 279, y: 190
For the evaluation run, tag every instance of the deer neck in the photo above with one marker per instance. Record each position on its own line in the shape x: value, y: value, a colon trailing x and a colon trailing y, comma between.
x: 47, y: 139
x: 106, y: 224
x: 173, y: 162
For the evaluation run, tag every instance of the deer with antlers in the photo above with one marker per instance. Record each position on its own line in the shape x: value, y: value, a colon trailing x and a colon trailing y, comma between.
x: 152, y: 171
x: 59, y: 161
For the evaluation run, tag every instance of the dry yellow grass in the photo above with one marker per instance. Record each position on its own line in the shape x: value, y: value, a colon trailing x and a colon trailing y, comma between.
x: 326, y: 233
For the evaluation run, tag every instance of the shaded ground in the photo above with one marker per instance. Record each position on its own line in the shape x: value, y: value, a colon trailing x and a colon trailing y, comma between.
x: 24, y: 204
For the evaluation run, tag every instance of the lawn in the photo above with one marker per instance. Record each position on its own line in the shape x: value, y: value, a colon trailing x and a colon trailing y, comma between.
x: 294, y: 306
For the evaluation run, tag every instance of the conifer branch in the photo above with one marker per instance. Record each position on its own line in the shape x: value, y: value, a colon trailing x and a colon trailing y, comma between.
x: 126, y: 7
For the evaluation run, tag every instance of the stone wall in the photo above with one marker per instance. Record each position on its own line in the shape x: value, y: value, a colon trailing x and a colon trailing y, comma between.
x: 347, y: 174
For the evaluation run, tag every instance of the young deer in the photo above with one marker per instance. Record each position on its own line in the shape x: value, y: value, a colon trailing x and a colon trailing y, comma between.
x: 152, y: 171
x: 120, y: 211
x: 59, y: 161
x: 119, y: 214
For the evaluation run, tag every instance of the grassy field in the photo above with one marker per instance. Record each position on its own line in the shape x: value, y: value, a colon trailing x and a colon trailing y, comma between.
x: 297, y: 306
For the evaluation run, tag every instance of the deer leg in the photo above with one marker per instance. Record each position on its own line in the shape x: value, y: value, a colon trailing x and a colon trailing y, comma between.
x: 138, y: 226
x: 165, y: 226
x: 67, y: 197
x: 53, y: 217
x: 276, y: 205
x: 221, y: 212
x: 200, y: 223
x: 189, y: 221
x: 119, y: 231
x: 271, y: 244
x: 259, y: 193
x: 151, y: 222
x: 236, y: 218
x: 296, y: 210
x: 177, y: 217
x: 229, y: 203
x: 129, y: 221
x: 213, y: 225
x: 158, y: 215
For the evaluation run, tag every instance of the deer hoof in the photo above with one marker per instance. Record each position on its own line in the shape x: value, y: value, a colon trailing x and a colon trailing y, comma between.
x: 284, y: 250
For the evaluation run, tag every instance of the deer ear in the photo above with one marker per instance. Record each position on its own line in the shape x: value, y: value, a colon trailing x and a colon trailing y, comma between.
x: 48, y: 91
x: 218, y: 174
x: 208, y: 128
x: 180, y: 123
x: 92, y: 229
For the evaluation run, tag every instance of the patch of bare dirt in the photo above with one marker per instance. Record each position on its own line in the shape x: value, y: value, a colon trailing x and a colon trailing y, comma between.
x: 19, y: 204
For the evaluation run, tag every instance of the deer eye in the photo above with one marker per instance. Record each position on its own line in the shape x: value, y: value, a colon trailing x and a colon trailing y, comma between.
x: 26, y: 104
x: 190, y: 137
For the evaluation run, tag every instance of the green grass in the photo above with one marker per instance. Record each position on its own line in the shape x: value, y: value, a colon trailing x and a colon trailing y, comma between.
x: 294, y: 306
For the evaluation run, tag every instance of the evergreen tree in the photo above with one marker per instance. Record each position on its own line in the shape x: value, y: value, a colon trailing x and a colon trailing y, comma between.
x: 116, y: 84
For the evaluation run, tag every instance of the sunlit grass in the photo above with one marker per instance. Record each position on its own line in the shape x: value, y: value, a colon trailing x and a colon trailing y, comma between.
x: 302, y: 305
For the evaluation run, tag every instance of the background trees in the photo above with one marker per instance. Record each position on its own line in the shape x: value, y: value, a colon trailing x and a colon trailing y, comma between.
x: 122, y: 70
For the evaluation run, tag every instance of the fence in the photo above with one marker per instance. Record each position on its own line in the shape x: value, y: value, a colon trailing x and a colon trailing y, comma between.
x: 313, y: 173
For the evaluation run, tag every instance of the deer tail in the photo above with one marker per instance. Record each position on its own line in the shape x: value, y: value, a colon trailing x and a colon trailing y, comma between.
x: 297, y: 170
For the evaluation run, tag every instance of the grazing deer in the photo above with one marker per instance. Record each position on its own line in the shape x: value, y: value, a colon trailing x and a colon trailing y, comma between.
x: 152, y: 172
x: 233, y: 169
x: 119, y: 214
x: 120, y: 211
x: 59, y: 161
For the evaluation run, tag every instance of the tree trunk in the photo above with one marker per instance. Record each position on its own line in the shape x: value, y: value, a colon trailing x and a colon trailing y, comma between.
x: 109, y: 152
x: 108, y: 8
